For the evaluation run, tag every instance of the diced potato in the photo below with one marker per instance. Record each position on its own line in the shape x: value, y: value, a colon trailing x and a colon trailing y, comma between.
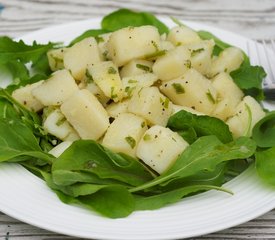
x: 73, y: 136
x: 150, y: 104
x: 247, y: 114
x: 136, y: 67
x: 124, y: 133
x: 115, y: 109
x: 57, y: 125
x: 60, y: 148
x: 80, y: 55
x: 94, y: 89
x: 55, y: 58
x: 24, y: 96
x: 229, y: 60
x: 229, y: 96
x: 177, y: 108
x: 102, y: 41
x: 106, y: 77
x: 166, y: 45
x: 129, y: 43
x: 173, y: 64
x: 136, y: 82
x: 192, y: 90
x: 86, y: 114
x: 182, y: 35
x: 160, y: 147
x: 201, y: 54
x: 56, y: 89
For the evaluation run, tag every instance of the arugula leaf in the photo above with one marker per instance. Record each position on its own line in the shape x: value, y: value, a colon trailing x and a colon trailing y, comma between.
x: 89, y: 156
x: 204, y: 154
x: 265, y: 165
x: 124, y: 18
x: 264, y: 131
x: 162, y: 199
x: 183, y: 121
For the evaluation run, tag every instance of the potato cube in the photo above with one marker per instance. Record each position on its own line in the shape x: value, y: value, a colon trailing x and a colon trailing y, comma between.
x: 201, y: 54
x: 106, y: 77
x: 24, y: 96
x: 247, y: 114
x: 95, y: 90
x: 229, y: 60
x: 229, y: 96
x: 80, y: 55
x: 129, y: 43
x: 57, y: 125
x: 160, y: 147
x: 173, y: 64
x: 56, y: 58
x: 115, y: 109
x: 56, y: 89
x: 192, y: 90
x: 136, y: 82
x: 60, y: 148
x: 136, y: 67
x: 150, y: 104
x: 166, y: 45
x: 124, y: 133
x: 86, y: 114
x: 182, y: 35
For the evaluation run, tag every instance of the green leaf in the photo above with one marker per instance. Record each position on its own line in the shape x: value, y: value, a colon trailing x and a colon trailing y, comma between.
x: 124, y: 18
x: 159, y: 200
x: 204, y: 154
x: 89, y: 156
x: 265, y: 165
x: 264, y: 131
x: 112, y: 201
x: 249, y: 79
x: 184, y: 121
x: 89, y: 33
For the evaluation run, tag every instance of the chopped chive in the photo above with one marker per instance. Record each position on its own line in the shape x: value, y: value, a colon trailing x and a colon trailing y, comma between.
x: 210, y: 97
x: 129, y: 90
x: 132, y: 81
x: 60, y: 121
x: 131, y: 141
x: 146, y: 137
x: 188, y: 63
x: 196, y: 51
x: 143, y: 124
x: 144, y: 67
x: 155, y: 54
x: 112, y: 70
x: 112, y: 93
x: 155, y: 45
x: 166, y: 103
x: 99, y: 39
x: 89, y: 77
x: 178, y: 88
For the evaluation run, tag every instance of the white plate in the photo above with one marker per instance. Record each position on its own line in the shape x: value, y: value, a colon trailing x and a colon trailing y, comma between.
x: 27, y: 198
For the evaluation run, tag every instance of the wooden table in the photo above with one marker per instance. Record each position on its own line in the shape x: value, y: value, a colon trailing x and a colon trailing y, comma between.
x: 254, y: 19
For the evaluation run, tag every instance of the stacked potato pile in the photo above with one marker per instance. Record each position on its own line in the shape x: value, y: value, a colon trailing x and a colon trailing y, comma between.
x: 121, y: 88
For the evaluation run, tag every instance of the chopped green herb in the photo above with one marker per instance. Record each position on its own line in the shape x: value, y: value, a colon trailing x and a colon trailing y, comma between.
x: 155, y: 45
x: 143, y: 124
x: 60, y: 121
x: 196, y: 51
x: 155, y: 54
x: 112, y: 70
x: 210, y: 97
x: 129, y: 91
x: 178, y: 88
x: 105, y: 55
x: 89, y: 77
x: 131, y: 141
x: 166, y: 103
x: 112, y: 93
x: 188, y: 64
x: 146, y: 137
x: 99, y: 39
x: 144, y: 67
x: 132, y: 81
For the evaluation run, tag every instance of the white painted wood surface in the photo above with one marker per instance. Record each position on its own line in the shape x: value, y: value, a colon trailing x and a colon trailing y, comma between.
x: 251, y: 18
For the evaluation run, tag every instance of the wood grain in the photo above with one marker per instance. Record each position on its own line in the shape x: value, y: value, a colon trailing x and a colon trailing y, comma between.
x: 253, y: 19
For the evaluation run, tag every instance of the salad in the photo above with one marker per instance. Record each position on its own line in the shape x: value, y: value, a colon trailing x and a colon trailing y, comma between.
x: 134, y: 116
